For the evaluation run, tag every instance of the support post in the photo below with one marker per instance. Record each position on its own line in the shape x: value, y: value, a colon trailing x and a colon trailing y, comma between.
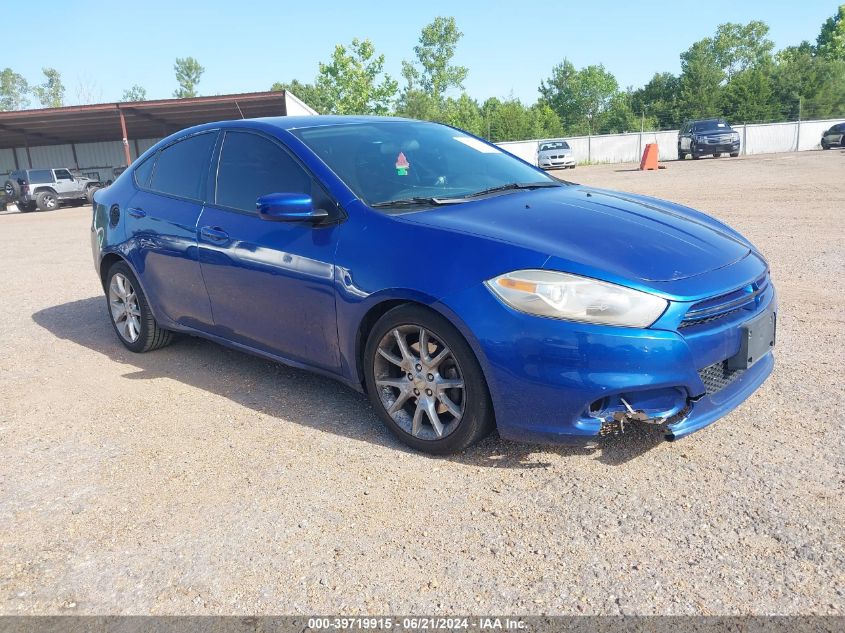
x: 125, y: 138
x: 75, y: 159
x: 28, y: 154
x: 15, y: 156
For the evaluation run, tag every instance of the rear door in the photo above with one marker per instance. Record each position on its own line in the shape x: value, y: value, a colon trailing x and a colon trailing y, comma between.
x: 161, y: 224
x: 271, y: 284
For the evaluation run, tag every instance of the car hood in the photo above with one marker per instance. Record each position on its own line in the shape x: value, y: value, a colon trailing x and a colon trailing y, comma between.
x: 624, y: 235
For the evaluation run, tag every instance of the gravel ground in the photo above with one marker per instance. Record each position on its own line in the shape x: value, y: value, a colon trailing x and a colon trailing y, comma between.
x: 201, y: 480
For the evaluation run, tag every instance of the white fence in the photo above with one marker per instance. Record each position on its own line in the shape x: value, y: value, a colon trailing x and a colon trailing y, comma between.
x: 760, y: 138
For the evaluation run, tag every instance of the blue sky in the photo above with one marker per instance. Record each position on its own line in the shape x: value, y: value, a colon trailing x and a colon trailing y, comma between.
x: 246, y: 46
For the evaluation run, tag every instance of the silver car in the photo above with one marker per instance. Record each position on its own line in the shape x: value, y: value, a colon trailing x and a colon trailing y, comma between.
x: 46, y: 188
x: 555, y: 154
x: 834, y: 137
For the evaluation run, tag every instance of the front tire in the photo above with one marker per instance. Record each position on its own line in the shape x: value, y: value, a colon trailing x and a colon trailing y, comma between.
x: 130, y: 314
x: 734, y: 154
x: 425, y: 382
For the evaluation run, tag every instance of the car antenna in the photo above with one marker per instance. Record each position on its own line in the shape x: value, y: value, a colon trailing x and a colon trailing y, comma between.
x: 239, y: 110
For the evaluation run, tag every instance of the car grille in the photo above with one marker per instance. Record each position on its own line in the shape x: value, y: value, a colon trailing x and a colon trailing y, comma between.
x: 746, y: 298
x: 719, y: 140
x: 717, y: 376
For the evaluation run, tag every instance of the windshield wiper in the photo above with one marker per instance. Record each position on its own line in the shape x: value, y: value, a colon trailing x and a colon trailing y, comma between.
x: 511, y: 186
x: 414, y: 202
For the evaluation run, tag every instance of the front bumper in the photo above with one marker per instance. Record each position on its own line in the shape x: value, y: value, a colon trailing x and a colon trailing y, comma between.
x: 555, y: 381
x: 550, y: 163
x: 703, y: 149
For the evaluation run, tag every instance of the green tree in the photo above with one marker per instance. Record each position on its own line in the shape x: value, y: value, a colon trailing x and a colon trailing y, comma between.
x: 579, y: 97
x: 510, y: 121
x: 748, y: 96
x: 738, y: 47
x: 416, y: 104
x: 545, y: 123
x: 135, y: 93
x: 13, y: 91
x: 464, y: 113
x: 700, y: 82
x: 621, y: 116
x: 354, y: 82
x: 51, y: 93
x: 188, y: 72
x: 831, y: 41
x: 434, y: 71
x: 309, y: 93
x: 659, y: 99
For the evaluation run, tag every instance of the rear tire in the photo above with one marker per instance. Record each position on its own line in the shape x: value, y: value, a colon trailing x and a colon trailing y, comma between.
x: 130, y: 314
x: 25, y: 207
x: 47, y: 201
x: 12, y: 189
x: 424, y: 418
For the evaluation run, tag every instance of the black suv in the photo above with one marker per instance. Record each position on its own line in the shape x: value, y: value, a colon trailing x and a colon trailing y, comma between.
x: 711, y: 137
x: 46, y: 188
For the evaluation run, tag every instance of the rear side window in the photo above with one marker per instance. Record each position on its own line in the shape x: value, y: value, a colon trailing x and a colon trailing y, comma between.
x: 144, y: 170
x: 252, y: 166
x: 37, y: 176
x: 181, y: 167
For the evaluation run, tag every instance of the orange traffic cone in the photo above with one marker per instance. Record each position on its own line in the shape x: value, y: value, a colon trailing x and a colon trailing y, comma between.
x: 649, y: 160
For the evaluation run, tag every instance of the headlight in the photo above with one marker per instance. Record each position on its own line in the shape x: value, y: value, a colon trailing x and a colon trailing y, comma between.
x: 563, y: 296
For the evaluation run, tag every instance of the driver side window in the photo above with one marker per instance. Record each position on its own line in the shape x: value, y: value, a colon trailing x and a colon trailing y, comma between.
x: 63, y: 174
x: 252, y: 166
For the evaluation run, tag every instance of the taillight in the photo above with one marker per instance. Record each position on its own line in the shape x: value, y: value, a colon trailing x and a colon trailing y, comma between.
x: 24, y: 188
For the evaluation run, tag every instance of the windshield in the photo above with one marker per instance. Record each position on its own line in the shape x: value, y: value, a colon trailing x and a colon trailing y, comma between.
x: 550, y: 145
x: 711, y: 125
x: 384, y: 161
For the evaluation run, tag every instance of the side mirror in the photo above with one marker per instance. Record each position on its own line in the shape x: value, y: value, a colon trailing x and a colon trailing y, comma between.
x: 289, y: 207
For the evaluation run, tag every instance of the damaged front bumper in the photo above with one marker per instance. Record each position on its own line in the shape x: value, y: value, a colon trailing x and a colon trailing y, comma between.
x: 695, y: 413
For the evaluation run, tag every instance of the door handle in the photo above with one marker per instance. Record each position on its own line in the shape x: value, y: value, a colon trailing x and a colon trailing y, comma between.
x: 213, y: 233
x: 136, y: 212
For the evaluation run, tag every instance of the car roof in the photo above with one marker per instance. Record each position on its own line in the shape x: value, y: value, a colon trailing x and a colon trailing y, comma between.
x: 297, y: 122
x: 279, y: 122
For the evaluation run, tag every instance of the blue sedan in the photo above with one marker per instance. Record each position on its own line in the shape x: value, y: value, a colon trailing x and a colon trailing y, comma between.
x: 461, y: 288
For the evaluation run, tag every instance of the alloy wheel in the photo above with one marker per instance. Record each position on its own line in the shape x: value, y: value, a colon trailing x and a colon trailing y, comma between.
x: 125, y: 311
x: 419, y: 382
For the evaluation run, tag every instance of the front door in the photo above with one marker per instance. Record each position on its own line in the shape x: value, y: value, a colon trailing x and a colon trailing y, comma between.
x: 271, y: 284
x: 66, y: 185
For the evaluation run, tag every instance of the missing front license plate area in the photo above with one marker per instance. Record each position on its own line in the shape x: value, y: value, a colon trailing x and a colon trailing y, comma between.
x: 757, y: 339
